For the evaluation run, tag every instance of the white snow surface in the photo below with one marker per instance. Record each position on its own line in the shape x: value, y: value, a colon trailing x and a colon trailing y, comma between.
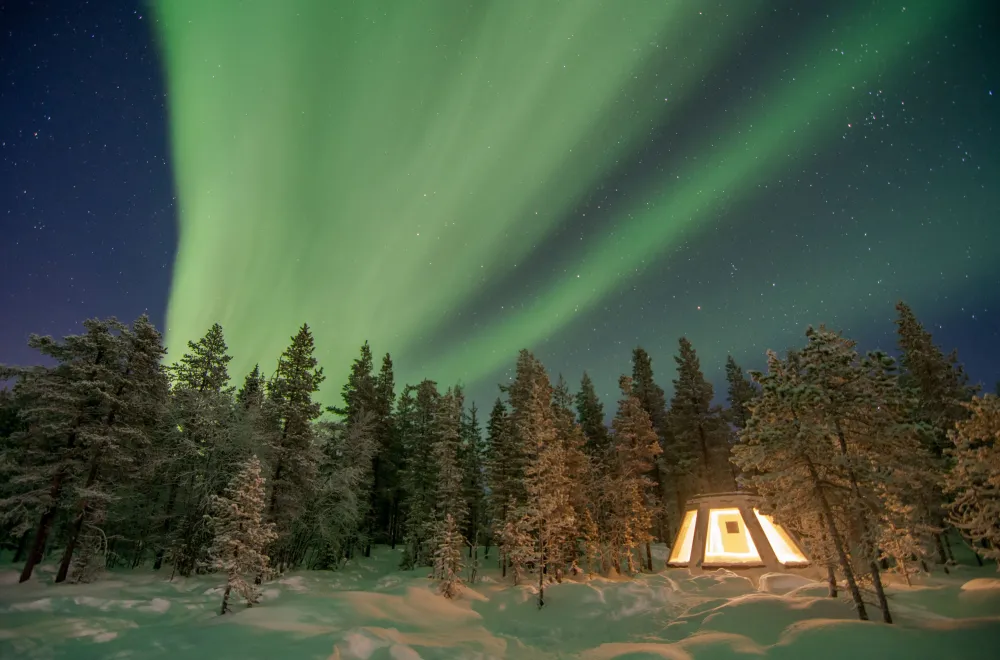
x: 372, y: 610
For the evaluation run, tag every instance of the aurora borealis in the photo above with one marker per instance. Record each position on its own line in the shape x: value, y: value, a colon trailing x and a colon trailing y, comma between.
x: 453, y: 183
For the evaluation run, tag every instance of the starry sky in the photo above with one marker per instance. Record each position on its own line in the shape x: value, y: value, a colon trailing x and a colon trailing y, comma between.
x: 455, y: 181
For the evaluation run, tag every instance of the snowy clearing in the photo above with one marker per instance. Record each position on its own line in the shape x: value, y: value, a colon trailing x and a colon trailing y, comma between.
x: 372, y: 610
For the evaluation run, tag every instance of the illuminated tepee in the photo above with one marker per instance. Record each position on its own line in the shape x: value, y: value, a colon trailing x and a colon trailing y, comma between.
x: 728, y: 530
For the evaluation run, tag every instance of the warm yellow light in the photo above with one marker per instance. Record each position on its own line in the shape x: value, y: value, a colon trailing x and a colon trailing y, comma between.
x: 681, y: 552
x: 784, y: 547
x: 725, y: 546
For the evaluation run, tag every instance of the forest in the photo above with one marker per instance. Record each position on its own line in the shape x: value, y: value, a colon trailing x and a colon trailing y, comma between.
x: 111, y: 458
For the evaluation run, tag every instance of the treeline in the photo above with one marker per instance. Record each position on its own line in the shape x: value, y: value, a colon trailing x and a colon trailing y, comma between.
x: 111, y: 458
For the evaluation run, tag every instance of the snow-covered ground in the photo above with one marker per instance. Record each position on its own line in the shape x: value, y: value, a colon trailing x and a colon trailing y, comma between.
x: 372, y: 610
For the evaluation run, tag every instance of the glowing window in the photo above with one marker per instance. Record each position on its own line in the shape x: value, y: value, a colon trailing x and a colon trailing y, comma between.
x: 784, y: 547
x: 681, y: 552
x: 723, y: 547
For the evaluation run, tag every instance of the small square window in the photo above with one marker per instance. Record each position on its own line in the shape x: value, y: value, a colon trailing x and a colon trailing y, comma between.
x: 732, y: 527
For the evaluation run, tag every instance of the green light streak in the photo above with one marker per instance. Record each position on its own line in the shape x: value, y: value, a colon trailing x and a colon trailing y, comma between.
x: 367, y: 167
x: 806, y: 106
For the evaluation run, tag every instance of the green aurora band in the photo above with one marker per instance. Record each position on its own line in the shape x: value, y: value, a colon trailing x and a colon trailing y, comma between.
x: 370, y: 168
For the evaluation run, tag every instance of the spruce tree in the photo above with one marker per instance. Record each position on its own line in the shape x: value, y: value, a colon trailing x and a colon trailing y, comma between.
x: 448, y: 558
x: 472, y: 457
x: 195, y: 440
x: 579, y: 471
x: 548, y: 489
x: 741, y: 393
x: 636, y: 447
x: 420, y: 477
x: 499, y: 475
x: 590, y: 413
x: 939, y: 383
x: 697, y: 452
x: 653, y: 401
x: 253, y: 392
x: 449, y: 492
x: 205, y: 366
x: 290, y: 393
x: 240, y: 534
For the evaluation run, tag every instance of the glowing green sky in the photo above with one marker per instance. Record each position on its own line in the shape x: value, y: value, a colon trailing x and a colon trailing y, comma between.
x: 453, y: 183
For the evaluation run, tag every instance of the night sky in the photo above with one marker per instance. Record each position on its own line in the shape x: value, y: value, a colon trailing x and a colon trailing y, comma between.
x: 453, y: 181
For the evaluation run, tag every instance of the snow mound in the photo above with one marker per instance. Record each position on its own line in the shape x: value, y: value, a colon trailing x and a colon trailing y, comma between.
x: 981, y: 584
x: 782, y: 583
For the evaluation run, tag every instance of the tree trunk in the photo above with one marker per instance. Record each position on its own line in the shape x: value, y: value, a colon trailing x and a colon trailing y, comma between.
x: 880, y: 592
x: 225, y: 599
x: 906, y: 571
x: 77, y: 526
x: 45, y: 522
x: 649, y: 558
x: 831, y: 581
x: 165, y: 529
x: 705, y: 456
x: 939, y: 546
x: 845, y: 563
x: 541, y: 582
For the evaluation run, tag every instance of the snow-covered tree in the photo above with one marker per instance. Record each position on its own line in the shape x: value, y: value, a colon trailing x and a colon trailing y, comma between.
x: 449, y: 492
x: 499, y: 475
x: 240, y: 534
x: 416, y: 419
x: 788, y: 456
x: 974, y: 480
x: 653, y: 401
x: 448, y: 546
x: 636, y: 447
x: 196, y: 442
x: 290, y: 393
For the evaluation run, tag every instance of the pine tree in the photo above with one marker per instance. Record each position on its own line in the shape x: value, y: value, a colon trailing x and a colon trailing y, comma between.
x: 795, y: 467
x: 387, y: 487
x: 59, y: 405
x: 241, y: 535
x: 974, y: 480
x: 113, y: 448
x: 697, y: 450
x: 636, y: 447
x: 293, y: 453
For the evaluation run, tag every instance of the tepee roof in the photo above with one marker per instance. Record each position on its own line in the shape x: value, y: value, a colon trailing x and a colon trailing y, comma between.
x: 727, y: 530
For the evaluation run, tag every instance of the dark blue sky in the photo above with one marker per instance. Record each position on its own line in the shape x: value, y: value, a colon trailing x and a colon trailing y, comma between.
x: 87, y: 212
